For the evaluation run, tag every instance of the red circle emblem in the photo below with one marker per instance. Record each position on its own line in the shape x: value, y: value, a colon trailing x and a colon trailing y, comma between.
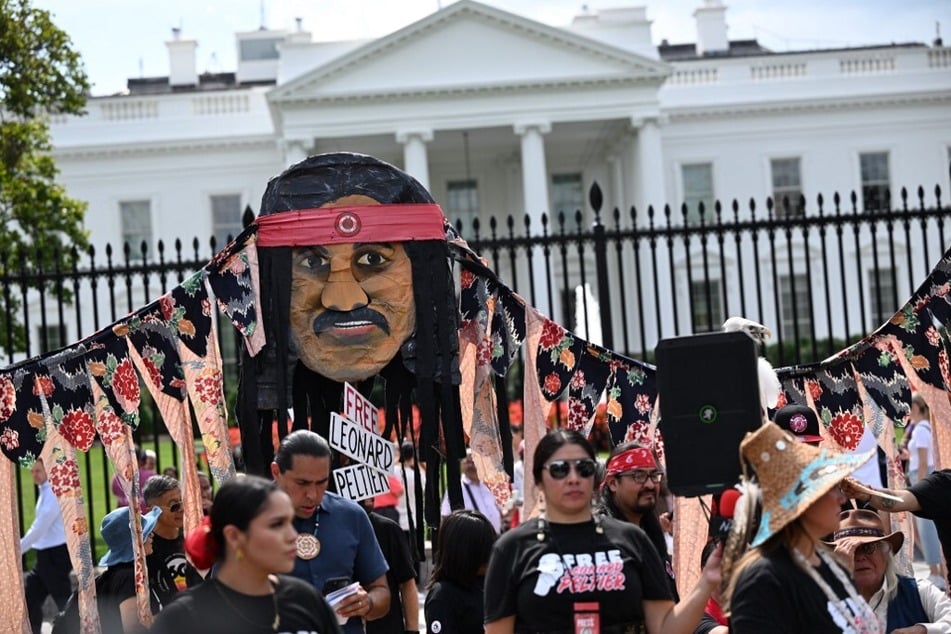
x: 798, y: 423
x: 348, y: 223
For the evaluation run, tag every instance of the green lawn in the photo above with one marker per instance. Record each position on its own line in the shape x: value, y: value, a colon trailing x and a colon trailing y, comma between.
x: 95, y: 473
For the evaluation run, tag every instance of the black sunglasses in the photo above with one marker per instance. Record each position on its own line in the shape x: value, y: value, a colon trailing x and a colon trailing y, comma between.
x: 175, y: 507
x: 559, y: 469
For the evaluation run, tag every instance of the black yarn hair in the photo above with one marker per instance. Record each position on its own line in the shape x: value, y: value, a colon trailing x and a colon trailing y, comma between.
x: 425, y: 371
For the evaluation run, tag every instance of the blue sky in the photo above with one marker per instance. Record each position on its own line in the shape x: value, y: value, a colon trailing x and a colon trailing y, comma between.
x: 126, y: 38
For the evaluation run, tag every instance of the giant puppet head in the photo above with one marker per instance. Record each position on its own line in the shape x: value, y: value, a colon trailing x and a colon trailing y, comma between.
x: 346, y: 218
x: 356, y: 282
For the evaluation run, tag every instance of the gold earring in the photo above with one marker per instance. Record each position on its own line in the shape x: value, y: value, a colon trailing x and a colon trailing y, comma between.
x: 239, y: 554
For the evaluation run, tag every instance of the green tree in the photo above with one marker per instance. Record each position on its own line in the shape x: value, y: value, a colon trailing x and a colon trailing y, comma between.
x: 41, y: 75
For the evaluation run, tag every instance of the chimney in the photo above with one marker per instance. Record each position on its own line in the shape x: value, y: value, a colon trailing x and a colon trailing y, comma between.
x: 711, y: 28
x: 181, y: 60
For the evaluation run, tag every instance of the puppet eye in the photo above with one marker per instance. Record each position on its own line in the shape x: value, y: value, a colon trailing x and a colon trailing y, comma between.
x: 371, y: 258
x: 313, y: 261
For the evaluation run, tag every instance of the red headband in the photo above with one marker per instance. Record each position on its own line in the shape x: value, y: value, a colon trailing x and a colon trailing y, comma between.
x: 346, y: 225
x: 636, y: 458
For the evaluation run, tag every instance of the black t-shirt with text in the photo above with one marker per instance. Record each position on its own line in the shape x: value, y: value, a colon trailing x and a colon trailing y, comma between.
x: 543, y: 583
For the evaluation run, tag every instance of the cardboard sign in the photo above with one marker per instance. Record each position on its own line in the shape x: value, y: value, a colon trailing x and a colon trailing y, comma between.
x: 351, y: 439
x: 358, y: 482
x: 359, y: 409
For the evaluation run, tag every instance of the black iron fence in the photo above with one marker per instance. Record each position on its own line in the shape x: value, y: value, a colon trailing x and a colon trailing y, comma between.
x: 819, y: 275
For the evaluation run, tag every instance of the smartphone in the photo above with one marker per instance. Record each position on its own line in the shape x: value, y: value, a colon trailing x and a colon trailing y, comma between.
x: 335, y: 584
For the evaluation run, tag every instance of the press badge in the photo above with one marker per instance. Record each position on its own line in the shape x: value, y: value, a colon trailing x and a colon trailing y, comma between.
x: 587, y: 618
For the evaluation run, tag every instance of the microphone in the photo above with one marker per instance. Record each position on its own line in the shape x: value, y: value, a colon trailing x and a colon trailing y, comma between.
x: 721, y: 515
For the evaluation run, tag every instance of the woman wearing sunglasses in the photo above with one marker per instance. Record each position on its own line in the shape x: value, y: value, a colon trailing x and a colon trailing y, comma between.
x: 568, y: 569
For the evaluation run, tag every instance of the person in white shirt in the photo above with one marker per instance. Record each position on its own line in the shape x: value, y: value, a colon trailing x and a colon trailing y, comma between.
x: 475, y: 496
x: 920, y: 464
x: 50, y: 575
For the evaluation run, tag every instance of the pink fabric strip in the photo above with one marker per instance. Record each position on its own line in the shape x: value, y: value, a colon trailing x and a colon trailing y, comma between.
x: 480, y: 415
x: 256, y: 341
x: 204, y: 379
x: 177, y: 421
x: 12, y: 602
x: 535, y: 407
x: 59, y: 457
x: 117, y: 438
x: 347, y: 225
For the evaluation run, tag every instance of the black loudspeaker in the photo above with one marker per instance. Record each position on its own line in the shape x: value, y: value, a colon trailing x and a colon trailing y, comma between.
x: 709, y: 400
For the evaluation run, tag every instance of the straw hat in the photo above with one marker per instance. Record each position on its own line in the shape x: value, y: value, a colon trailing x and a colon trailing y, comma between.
x: 865, y: 526
x: 792, y: 475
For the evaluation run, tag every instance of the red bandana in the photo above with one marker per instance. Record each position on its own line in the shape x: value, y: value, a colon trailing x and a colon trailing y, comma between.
x: 347, y: 225
x: 636, y: 458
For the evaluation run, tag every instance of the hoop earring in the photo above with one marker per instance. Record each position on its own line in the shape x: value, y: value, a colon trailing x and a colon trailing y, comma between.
x: 598, y: 528
x: 542, y: 522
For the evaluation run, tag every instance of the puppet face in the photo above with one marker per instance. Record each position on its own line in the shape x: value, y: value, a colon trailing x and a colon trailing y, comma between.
x: 352, y: 305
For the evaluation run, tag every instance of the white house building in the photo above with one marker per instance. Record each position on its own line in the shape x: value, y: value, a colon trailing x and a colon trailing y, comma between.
x: 498, y: 114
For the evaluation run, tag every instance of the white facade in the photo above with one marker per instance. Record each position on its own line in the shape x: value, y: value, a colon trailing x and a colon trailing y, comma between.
x: 472, y: 93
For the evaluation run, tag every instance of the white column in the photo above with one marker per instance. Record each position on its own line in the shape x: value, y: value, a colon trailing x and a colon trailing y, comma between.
x: 648, y: 155
x: 616, y: 163
x: 296, y: 150
x: 535, y: 196
x: 650, y: 165
x: 415, y: 160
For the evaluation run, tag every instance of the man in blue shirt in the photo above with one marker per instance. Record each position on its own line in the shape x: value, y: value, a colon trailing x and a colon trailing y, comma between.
x: 336, y: 541
x: 50, y: 575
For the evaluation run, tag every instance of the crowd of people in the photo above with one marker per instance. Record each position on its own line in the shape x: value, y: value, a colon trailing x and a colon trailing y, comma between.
x: 811, y: 551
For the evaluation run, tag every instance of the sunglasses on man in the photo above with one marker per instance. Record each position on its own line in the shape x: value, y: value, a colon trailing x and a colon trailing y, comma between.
x: 559, y: 469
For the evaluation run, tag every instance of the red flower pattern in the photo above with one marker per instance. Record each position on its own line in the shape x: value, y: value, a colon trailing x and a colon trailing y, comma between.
x: 8, y: 398
x: 552, y: 384
x: 10, y: 439
x: 578, y: 414
x: 643, y: 403
x: 945, y: 367
x: 208, y: 387
x: 154, y: 374
x: 167, y: 304
x: 466, y: 278
x: 781, y: 400
x: 78, y: 429
x: 815, y: 390
x: 111, y: 427
x: 64, y: 478
x: 846, y: 429
x: 551, y: 336
x: 577, y: 380
x: 484, y: 352
x: 125, y: 382
x: 42, y: 384
x: 933, y: 337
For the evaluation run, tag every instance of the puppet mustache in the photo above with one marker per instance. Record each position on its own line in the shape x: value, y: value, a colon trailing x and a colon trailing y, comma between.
x: 338, y: 319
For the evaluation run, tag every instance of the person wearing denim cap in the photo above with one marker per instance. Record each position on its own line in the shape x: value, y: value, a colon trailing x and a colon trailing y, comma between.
x: 115, y: 586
